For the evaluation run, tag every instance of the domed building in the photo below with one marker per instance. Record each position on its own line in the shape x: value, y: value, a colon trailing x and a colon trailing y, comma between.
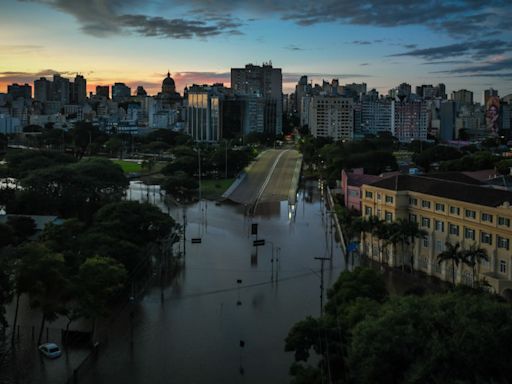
x: 169, y: 94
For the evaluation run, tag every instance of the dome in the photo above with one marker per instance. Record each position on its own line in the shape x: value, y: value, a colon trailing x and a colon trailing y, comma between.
x: 168, y: 81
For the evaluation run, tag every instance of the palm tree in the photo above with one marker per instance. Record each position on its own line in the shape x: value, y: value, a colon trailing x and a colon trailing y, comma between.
x: 401, y: 235
x: 451, y: 253
x: 414, y: 232
x: 381, y: 231
x: 472, y: 257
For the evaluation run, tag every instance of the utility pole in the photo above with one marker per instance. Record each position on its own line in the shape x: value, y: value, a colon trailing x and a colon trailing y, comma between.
x: 199, y: 170
x: 184, y: 231
x: 226, y: 169
x: 322, y: 260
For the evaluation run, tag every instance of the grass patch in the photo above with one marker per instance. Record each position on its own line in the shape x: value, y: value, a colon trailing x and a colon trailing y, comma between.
x: 128, y: 166
x: 213, y: 189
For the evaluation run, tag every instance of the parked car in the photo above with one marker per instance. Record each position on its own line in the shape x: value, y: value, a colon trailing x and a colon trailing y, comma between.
x: 50, y: 350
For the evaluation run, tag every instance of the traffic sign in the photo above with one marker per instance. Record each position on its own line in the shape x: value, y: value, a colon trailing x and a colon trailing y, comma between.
x: 258, y: 243
x: 196, y: 240
x: 254, y: 228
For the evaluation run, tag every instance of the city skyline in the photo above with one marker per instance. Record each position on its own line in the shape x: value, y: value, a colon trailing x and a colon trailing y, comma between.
x: 382, y: 44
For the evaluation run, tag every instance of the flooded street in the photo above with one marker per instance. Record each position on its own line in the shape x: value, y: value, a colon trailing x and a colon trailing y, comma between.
x: 228, y: 292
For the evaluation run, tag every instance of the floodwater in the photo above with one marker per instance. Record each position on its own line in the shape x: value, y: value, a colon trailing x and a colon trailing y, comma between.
x: 225, y: 317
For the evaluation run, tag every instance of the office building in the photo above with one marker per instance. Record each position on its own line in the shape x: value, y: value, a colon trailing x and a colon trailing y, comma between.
x: 377, y: 115
x: 203, y: 113
x: 60, y: 89
x: 447, y: 117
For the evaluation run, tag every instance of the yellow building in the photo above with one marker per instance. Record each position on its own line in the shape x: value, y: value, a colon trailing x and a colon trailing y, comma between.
x: 449, y: 211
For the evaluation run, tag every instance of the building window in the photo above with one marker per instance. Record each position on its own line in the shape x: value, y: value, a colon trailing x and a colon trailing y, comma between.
x: 368, y: 211
x: 469, y: 233
x: 353, y: 193
x: 379, y: 196
x: 439, y: 225
x: 503, y: 266
x: 487, y: 217
x: 439, y: 207
x: 470, y: 214
x: 454, y: 229
x: 368, y: 194
x: 413, y: 201
x: 503, y: 243
x: 439, y: 246
x: 455, y: 211
x: 412, y: 217
x: 485, y: 238
x: 425, y: 222
x: 389, y: 199
x: 504, y: 221
x: 388, y: 216
x: 425, y: 204
x: 425, y: 241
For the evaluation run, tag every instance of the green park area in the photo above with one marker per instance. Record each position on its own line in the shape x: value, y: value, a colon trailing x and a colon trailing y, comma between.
x: 213, y: 189
x: 128, y: 166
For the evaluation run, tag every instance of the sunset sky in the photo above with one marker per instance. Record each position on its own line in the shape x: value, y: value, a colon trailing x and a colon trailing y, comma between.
x: 380, y: 42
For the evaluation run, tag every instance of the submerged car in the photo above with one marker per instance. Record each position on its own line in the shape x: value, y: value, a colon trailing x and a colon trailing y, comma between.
x: 50, y: 350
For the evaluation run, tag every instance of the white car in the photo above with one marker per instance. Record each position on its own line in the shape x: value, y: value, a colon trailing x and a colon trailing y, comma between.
x: 50, y: 350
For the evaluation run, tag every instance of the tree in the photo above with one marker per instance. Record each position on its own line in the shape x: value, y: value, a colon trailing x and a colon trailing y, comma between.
x: 132, y: 221
x: 6, y: 284
x: 75, y: 190
x: 472, y: 257
x: 40, y: 273
x: 451, y: 253
x: 414, y: 232
x: 180, y: 185
x: 7, y: 235
x: 23, y: 227
x: 101, y: 278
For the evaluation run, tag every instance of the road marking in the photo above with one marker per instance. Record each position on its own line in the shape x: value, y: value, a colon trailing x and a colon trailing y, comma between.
x: 265, y: 183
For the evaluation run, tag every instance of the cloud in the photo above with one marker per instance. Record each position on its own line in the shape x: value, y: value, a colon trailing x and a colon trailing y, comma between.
x: 177, y: 28
x: 293, y: 47
x: 102, y: 18
x: 22, y: 49
x: 488, y: 67
x: 444, y: 62
x: 361, y: 42
x: 476, y: 49
x: 364, y: 64
x: 29, y: 77
x: 457, y: 17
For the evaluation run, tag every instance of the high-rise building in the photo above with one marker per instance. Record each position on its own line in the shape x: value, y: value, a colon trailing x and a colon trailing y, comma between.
x: 103, y: 90
x: 301, y: 89
x: 60, y: 89
x: 17, y: 91
x: 203, y: 113
x: 376, y: 115
x: 488, y: 93
x: 404, y: 90
x: 410, y: 120
x: 447, y: 116
x: 120, y: 92
x: 462, y: 97
x: 42, y: 89
x: 78, y: 90
x: 264, y: 82
x: 331, y: 116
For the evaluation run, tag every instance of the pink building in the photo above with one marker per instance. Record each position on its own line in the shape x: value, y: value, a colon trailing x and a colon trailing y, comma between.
x: 351, y: 183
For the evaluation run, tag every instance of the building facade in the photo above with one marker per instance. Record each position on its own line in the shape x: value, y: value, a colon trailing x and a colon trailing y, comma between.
x: 447, y: 211
x: 331, y: 116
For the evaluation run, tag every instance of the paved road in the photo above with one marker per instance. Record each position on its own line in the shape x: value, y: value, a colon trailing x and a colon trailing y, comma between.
x: 280, y: 182
x: 248, y: 190
x: 268, y: 180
